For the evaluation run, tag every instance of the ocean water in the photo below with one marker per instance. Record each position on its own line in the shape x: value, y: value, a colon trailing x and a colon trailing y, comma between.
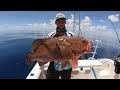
x: 15, y: 46
x: 13, y: 49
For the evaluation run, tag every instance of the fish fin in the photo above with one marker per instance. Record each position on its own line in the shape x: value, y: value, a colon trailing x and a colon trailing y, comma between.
x: 28, y: 60
x: 89, y: 46
x: 64, y: 63
x: 57, y: 46
x: 58, y: 50
x: 73, y: 52
x: 36, y: 44
x: 74, y: 62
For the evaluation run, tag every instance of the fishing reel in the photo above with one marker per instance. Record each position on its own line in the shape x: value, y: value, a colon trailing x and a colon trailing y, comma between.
x: 117, y: 64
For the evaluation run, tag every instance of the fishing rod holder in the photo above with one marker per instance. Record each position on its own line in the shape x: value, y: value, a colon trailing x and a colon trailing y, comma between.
x: 117, y: 64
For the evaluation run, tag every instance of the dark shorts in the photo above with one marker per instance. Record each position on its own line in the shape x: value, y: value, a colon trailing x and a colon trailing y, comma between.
x: 53, y: 74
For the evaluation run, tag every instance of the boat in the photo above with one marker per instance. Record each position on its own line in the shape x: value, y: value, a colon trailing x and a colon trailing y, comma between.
x: 91, y: 68
x: 88, y: 68
x: 103, y: 68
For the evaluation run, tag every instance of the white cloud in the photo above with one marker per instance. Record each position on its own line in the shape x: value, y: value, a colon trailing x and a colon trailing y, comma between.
x: 100, y: 27
x: 70, y: 21
x: 52, y: 21
x: 86, y: 22
x: 102, y: 21
x: 114, y: 18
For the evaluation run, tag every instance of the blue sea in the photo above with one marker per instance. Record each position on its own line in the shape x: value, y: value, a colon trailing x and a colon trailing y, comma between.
x: 15, y: 46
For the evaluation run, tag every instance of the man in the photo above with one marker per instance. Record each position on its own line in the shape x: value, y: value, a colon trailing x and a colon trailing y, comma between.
x: 55, y: 70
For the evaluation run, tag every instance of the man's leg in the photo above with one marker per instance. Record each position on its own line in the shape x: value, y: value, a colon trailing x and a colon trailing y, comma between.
x: 51, y: 73
x: 66, y: 74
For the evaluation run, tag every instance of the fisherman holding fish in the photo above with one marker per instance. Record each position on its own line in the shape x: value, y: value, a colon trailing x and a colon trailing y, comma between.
x: 55, y: 70
x: 61, y: 48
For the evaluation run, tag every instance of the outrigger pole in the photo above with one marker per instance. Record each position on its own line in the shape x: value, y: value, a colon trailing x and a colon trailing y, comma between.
x: 74, y: 23
x: 115, y: 31
x: 80, y: 32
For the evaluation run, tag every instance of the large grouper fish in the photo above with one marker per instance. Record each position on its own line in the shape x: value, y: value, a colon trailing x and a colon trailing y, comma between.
x: 63, y: 48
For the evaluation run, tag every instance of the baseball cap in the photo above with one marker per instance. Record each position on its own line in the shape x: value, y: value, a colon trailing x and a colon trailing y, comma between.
x: 60, y: 16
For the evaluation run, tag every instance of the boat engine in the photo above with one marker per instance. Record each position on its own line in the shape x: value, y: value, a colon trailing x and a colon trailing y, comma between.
x: 117, y: 65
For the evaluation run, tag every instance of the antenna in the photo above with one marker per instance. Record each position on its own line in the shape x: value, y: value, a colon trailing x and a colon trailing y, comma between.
x: 66, y: 20
x: 80, y: 32
x: 93, y: 58
x: 74, y: 23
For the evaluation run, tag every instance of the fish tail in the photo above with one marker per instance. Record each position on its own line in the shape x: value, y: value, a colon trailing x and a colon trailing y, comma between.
x: 28, y: 60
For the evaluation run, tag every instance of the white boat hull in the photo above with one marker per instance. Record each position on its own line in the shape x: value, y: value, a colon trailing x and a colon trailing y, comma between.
x: 87, y: 69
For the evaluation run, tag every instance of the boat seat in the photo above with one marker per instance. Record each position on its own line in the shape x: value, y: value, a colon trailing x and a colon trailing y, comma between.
x: 103, y: 73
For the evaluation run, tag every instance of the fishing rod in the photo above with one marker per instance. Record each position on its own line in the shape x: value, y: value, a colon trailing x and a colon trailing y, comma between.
x: 115, y: 30
x: 95, y: 50
x: 93, y: 58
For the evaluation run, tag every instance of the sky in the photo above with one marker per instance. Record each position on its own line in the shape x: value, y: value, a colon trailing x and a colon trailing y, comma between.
x: 93, y: 24
x: 35, y: 19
